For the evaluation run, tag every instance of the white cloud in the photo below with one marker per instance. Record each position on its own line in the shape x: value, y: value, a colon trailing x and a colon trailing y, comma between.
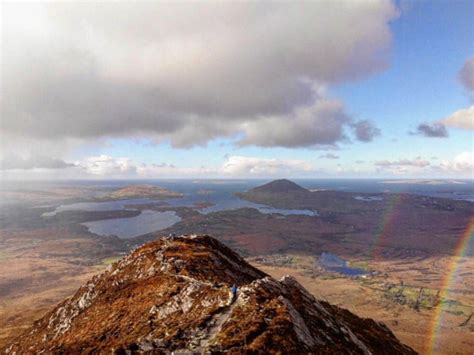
x: 185, y: 73
x: 251, y: 166
x: 163, y: 170
x: 105, y: 165
x: 462, y: 163
x: 463, y: 119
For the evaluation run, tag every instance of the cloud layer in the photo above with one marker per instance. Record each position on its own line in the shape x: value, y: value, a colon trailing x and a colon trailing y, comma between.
x: 255, y: 72
x: 233, y: 166
x: 250, y: 166
x: 461, y: 165
x: 13, y: 162
x: 417, y: 162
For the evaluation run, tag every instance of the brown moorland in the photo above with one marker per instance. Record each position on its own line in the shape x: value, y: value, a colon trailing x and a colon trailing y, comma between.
x: 174, y: 295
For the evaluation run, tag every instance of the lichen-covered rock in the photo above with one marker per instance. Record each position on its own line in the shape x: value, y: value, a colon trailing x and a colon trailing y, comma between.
x: 174, y: 294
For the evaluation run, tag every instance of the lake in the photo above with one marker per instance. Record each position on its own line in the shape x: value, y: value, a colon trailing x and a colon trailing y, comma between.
x: 332, y: 262
x: 145, y: 222
x: 217, y: 197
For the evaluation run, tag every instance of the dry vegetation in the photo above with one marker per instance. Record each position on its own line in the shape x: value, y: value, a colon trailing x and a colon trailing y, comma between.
x: 174, y: 295
x: 41, y: 267
x: 369, y: 298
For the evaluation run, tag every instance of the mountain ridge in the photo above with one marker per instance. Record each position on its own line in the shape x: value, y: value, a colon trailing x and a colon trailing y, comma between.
x: 174, y: 294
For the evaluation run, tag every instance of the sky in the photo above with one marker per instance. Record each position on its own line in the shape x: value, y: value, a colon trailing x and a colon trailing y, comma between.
x: 323, y: 89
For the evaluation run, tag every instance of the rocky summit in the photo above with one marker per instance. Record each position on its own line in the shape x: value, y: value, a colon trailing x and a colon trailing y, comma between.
x: 193, y: 294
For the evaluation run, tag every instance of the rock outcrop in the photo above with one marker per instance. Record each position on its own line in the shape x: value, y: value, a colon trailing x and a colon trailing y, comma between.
x: 174, y: 294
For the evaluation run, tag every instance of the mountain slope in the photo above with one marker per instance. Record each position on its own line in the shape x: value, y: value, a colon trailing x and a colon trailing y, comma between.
x: 174, y: 294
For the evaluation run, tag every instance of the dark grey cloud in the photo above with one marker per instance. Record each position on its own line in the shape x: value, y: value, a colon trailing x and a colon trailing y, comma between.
x: 321, y: 124
x: 365, y: 130
x: 187, y: 74
x: 35, y: 162
x: 466, y: 74
x: 329, y: 156
x: 433, y: 130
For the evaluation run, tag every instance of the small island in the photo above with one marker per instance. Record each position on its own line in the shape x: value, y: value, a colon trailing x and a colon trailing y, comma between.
x: 141, y: 191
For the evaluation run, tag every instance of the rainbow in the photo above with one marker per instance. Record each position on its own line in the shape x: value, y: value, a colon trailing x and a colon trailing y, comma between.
x: 389, y: 216
x: 447, y: 283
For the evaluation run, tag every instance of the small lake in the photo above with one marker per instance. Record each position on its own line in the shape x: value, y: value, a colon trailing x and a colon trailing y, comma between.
x: 332, y: 262
x: 145, y: 222
x: 98, y: 206
x: 224, y: 202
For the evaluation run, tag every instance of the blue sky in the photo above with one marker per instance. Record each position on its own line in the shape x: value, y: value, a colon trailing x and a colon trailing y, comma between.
x: 431, y: 43
x: 432, y: 40
x: 409, y: 74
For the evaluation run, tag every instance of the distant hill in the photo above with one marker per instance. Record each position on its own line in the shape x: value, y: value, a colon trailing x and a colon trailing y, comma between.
x: 174, y: 295
x: 278, y: 193
x: 286, y: 194
x: 141, y: 191
x: 279, y: 186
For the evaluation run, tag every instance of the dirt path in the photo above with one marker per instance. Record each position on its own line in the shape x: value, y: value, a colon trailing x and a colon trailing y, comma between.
x: 218, y: 319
